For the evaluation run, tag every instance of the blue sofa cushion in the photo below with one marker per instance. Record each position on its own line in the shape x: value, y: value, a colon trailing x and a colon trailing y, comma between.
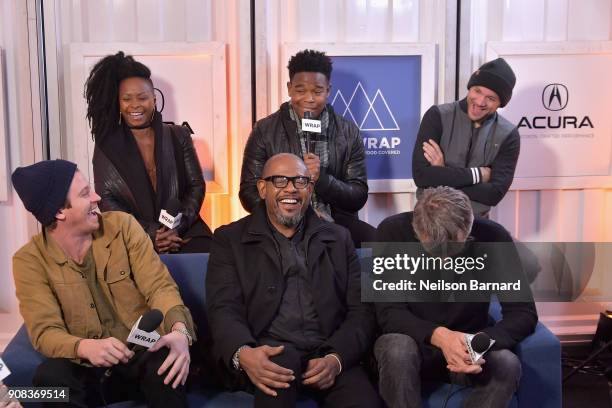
x: 189, y: 273
x: 22, y: 359
x: 540, y: 354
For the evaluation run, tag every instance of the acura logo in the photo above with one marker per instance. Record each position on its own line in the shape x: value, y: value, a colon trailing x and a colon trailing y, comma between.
x: 555, y: 97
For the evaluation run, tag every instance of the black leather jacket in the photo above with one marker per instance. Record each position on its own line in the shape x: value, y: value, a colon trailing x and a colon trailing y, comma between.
x: 179, y: 176
x: 344, y: 185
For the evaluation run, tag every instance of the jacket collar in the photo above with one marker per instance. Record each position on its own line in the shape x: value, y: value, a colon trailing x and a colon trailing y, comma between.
x: 317, y: 234
x: 52, y: 248
x: 102, y: 238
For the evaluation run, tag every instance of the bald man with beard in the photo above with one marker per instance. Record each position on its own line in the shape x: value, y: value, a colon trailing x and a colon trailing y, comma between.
x: 284, y: 301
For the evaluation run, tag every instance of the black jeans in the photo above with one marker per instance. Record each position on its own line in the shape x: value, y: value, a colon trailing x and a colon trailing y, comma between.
x: 137, y: 379
x: 400, y: 369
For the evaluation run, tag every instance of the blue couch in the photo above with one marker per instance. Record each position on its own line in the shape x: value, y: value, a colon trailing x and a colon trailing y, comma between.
x: 540, y: 354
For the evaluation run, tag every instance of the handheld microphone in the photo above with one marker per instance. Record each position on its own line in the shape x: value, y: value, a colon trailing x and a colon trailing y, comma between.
x: 143, y: 332
x: 4, y: 371
x: 478, y: 344
x: 171, y: 217
x: 310, y: 126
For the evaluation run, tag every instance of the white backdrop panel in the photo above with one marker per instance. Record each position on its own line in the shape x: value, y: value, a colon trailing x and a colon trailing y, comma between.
x: 192, y: 80
x: 566, y: 132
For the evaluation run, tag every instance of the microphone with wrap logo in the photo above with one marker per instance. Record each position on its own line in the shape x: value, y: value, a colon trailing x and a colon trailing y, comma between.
x: 170, y: 217
x: 478, y: 344
x: 4, y: 371
x: 143, y: 333
x: 4, y: 393
x: 310, y: 127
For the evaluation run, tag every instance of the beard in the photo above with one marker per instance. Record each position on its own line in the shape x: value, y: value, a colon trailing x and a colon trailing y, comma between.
x: 288, y: 221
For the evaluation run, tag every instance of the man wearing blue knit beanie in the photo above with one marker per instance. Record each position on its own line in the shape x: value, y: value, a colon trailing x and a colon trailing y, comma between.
x: 83, y: 282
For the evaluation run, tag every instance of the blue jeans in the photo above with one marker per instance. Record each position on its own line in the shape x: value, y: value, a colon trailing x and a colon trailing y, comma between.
x: 399, y: 365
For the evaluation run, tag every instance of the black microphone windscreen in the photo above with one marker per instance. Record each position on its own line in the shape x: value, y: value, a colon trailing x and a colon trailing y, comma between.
x: 173, y: 206
x: 151, y: 320
x: 480, y: 342
x: 307, y: 115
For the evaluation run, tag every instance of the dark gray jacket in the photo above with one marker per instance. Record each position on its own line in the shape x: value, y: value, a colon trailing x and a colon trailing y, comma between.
x: 502, y: 152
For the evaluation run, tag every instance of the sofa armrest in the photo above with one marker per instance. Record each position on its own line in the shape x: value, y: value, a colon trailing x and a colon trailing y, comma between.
x: 22, y: 360
x: 540, y: 355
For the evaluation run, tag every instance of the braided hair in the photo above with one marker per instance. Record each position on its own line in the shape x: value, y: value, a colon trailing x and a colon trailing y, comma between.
x: 102, y: 91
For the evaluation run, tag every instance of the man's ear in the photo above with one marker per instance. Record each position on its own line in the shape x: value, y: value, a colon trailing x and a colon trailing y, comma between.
x: 60, y: 215
x: 289, y: 88
x: 261, y: 188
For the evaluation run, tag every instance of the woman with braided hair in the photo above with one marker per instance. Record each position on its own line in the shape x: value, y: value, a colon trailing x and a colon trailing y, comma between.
x: 139, y: 162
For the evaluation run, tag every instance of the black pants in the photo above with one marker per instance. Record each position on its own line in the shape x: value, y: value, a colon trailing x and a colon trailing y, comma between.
x: 136, y: 380
x: 360, y: 231
x: 352, y: 387
x: 196, y: 245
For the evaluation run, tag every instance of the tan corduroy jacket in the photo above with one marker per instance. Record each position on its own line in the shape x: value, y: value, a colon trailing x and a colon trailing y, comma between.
x: 55, y: 301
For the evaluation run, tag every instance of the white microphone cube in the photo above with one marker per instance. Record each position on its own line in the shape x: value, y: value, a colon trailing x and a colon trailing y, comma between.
x: 4, y: 371
x: 475, y: 356
x: 169, y: 220
x: 141, y: 337
x: 311, y: 125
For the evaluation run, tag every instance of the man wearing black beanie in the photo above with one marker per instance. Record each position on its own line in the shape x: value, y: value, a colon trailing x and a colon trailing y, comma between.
x: 467, y: 144
x: 83, y: 282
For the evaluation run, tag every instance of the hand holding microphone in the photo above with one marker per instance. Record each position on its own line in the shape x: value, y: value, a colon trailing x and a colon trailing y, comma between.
x: 142, y: 334
x: 311, y: 128
x: 170, y: 217
x: 110, y: 351
x: 167, y: 241
x: 456, y: 349
x: 6, y: 401
x: 4, y: 370
x: 477, y: 345
x: 166, y: 237
x: 104, y: 352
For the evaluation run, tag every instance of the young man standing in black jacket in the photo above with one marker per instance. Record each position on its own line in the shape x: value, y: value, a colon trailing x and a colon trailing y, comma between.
x: 467, y: 144
x: 426, y: 341
x: 336, y: 159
